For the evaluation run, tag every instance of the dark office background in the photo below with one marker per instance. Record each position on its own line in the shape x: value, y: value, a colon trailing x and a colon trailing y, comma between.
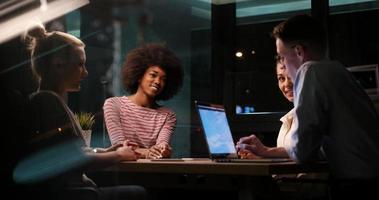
x: 205, y: 37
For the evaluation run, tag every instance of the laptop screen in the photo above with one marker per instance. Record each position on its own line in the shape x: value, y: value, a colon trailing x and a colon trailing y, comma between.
x: 216, y: 130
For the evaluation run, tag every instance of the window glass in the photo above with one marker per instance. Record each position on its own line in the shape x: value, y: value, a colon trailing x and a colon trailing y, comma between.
x: 255, y: 64
x: 263, y: 11
x: 113, y: 29
x: 348, y: 6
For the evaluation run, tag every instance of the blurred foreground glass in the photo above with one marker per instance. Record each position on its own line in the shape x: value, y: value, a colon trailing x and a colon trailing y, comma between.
x: 17, y: 15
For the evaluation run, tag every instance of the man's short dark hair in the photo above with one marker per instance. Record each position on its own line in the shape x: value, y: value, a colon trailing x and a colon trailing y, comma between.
x: 303, y: 30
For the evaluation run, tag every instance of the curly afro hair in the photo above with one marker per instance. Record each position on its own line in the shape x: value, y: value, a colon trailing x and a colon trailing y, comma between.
x: 141, y: 58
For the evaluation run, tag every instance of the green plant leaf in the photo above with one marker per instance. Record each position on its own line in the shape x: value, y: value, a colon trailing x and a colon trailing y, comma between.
x: 86, y: 120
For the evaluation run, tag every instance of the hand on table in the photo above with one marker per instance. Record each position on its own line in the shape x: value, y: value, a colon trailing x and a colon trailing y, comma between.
x: 159, y: 151
x: 253, y: 144
x: 128, y: 151
x: 246, y: 154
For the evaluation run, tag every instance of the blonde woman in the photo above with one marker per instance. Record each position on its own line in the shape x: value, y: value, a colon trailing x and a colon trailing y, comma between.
x: 56, y: 142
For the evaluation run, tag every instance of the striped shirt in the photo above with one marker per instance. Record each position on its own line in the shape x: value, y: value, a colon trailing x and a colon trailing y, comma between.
x: 145, y: 126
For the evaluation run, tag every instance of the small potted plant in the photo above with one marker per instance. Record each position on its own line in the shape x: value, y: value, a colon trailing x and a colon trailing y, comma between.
x: 86, y: 121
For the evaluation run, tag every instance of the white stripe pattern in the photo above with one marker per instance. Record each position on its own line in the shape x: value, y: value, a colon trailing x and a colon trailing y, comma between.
x: 145, y: 126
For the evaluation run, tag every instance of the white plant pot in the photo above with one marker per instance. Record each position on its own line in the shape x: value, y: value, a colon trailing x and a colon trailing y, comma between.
x: 87, y: 137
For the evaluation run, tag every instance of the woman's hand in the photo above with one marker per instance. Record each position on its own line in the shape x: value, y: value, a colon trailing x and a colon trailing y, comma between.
x: 165, y: 150
x: 253, y: 144
x: 159, y: 151
x: 131, y: 144
x: 246, y: 140
x: 114, y: 147
x: 128, y: 153
x: 111, y: 148
x: 246, y: 154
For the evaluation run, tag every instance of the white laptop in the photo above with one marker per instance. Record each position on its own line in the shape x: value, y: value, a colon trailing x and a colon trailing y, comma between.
x: 218, y: 135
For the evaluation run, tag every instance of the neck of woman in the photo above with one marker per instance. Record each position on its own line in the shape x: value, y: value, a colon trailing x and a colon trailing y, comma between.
x: 142, y: 100
x: 55, y: 88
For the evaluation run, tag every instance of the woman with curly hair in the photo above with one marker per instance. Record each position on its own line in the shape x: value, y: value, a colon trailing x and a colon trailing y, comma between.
x: 151, y: 72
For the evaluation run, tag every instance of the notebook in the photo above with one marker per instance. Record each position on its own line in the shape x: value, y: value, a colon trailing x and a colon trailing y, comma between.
x: 218, y: 135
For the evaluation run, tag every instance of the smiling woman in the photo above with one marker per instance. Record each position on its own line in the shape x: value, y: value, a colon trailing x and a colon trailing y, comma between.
x: 151, y: 72
x: 56, y: 152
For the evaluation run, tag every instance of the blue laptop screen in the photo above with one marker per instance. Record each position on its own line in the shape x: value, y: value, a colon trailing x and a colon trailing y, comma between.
x: 217, y: 130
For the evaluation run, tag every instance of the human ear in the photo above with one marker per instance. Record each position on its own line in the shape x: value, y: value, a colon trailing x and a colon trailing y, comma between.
x: 300, y: 51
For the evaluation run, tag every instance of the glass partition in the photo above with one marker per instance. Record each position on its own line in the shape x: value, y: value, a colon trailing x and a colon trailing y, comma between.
x: 245, y: 83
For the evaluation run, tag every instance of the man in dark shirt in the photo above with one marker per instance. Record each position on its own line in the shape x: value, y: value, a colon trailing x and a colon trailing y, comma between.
x: 332, y: 111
